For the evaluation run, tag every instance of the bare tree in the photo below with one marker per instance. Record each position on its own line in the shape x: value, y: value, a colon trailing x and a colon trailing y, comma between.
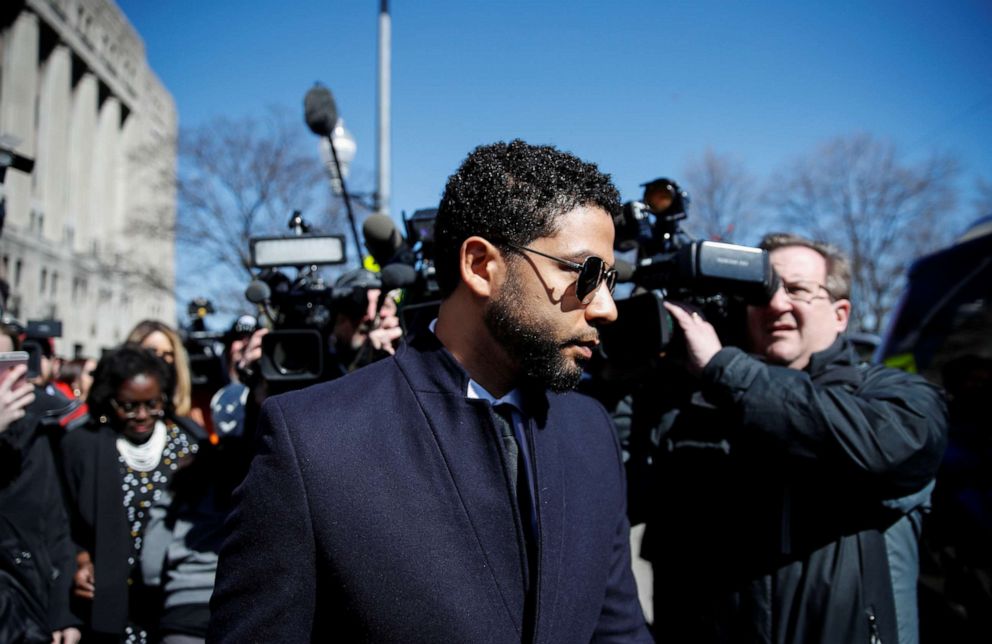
x: 858, y: 193
x: 241, y: 178
x: 723, y: 196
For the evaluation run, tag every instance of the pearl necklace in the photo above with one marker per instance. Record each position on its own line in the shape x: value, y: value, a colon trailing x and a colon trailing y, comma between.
x: 144, y: 457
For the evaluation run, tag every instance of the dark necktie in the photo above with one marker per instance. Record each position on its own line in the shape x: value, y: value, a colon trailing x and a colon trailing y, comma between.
x: 520, y: 475
x: 519, y: 471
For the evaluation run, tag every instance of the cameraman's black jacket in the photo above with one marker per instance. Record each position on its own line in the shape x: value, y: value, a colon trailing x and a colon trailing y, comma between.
x: 771, y: 497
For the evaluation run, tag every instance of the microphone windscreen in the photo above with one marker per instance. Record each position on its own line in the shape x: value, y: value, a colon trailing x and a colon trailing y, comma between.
x: 380, y: 229
x: 397, y: 276
x: 320, y: 111
x: 258, y: 292
x: 381, y: 237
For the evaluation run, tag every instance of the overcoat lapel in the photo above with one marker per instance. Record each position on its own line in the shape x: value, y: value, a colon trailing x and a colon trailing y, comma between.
x: 472, y: 452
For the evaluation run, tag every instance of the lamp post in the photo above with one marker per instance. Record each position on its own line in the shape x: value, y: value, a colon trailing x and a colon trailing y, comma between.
x: 383, y: 148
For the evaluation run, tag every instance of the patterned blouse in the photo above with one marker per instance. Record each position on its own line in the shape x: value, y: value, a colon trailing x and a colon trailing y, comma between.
x: 142, y: 490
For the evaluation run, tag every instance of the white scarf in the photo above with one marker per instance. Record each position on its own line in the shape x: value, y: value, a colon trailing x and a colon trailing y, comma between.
x: 144, y: 457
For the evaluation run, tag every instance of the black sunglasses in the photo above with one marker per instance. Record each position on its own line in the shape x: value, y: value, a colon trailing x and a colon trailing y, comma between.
x: 592, y: 272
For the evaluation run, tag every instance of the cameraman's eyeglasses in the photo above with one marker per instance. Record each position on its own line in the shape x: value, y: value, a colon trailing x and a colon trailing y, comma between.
x: 805, y: 292
x: 592, y: 272
x: 129, y: 408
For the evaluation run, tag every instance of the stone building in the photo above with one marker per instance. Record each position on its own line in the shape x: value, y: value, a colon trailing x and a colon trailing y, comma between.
x: 87, y: 237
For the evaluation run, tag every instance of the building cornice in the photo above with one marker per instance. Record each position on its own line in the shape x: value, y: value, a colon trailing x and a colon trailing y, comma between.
x: 99, y: 33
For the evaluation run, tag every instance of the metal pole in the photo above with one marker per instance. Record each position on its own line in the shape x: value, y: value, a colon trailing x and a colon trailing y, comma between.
x: 347, y: 202
x: 382, y: 179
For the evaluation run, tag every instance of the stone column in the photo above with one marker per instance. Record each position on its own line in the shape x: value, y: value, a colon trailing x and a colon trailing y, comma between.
x: 52, y: 161
x: 103, y: 202
x: 82, y: 137
x: 20, y: 87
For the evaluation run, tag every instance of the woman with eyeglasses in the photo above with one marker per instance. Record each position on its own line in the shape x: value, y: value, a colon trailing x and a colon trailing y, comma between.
x: 118, y: 471
x: 167, y: 345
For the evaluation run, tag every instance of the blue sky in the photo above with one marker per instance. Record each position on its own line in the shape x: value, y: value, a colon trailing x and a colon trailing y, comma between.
x: 638, y: 87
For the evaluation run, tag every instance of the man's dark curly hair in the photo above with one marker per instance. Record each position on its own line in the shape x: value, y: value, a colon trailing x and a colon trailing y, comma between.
x: 513, y: 192
x: 119, y: 365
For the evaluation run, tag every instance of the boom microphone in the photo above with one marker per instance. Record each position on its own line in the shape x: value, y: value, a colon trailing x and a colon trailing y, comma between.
x: 320, y: 111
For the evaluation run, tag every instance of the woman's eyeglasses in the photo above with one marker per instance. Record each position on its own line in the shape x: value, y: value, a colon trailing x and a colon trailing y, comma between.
x: 592, y: 272
x: 129, y: 408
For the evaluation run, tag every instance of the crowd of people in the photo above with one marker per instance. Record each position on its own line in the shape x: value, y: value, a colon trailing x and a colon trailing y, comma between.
x: 450, y: 485
x: 117, y: 475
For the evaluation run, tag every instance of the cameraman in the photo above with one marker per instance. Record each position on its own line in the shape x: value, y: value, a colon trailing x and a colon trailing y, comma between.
x: 789, y: 487
x: 366, y: 327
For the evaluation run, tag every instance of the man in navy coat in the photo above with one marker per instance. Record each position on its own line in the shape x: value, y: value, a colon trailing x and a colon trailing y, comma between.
x: 457, y: 491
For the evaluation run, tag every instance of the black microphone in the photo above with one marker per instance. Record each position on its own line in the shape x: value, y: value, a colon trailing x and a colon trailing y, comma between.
x: 382, y: 239
x: 397, y: 276
x: 258, y: 292
x: 320, y: 111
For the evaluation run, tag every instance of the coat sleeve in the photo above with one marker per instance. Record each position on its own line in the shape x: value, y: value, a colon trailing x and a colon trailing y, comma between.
x: 891, y: 429
x: 621, y: 618
x: 266, y: 577
x: 62, y: 553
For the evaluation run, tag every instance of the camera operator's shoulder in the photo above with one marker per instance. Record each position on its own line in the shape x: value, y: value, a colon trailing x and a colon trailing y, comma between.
x: 889, y: 382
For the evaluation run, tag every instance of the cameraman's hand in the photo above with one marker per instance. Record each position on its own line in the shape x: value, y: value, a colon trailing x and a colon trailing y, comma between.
x: 701, y: 339
x: 383, y: 339
x: 252, y: 354
x: 387, y: 334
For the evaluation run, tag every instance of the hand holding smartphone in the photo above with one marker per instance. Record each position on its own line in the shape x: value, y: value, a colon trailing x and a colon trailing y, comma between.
x: 15, y: 392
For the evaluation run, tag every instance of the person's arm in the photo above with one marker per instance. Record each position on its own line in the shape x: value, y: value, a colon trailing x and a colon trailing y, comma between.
x: 76, y: 453
x: 890, y: 429
x: 62, y: 555
x: 266, y: 577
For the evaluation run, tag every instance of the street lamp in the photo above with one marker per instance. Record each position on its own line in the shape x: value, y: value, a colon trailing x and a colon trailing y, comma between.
x: 346, y: 147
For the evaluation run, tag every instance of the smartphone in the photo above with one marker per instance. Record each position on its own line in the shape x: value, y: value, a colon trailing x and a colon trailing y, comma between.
x: 9, y: 360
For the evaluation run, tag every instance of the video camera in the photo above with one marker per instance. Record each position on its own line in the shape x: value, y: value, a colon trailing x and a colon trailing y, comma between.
x: 300, y: 308
x: 714, y: 277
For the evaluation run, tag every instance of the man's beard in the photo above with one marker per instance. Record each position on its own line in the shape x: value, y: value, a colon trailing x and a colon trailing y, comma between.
x: 534, y: 345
